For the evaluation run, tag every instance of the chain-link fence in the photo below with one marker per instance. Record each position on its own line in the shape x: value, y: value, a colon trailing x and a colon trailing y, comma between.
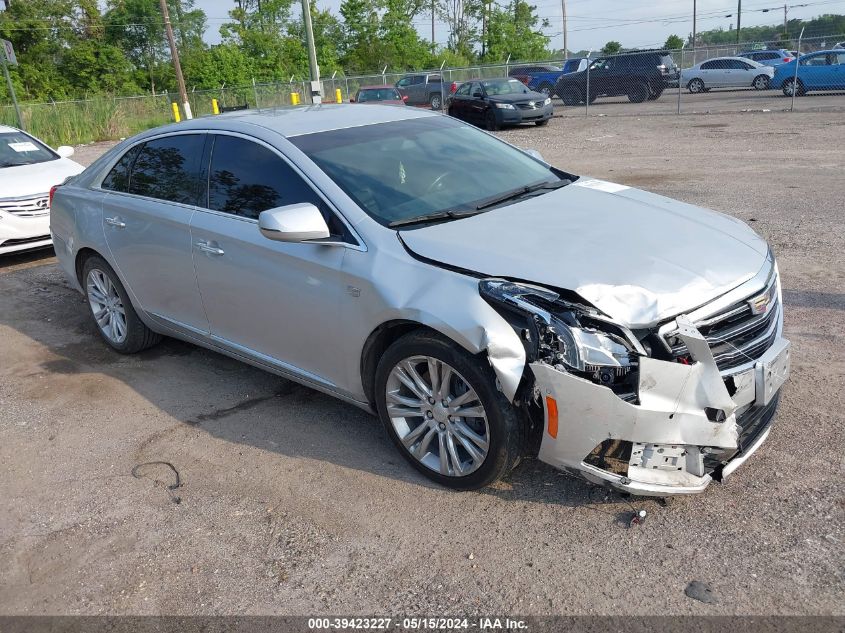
x: 700, y: 80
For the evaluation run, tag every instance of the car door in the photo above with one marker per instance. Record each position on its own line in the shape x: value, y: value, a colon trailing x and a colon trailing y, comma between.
x: 837, y: 71
x: 458, y: 107
x: 274, y: 301
x: 600, y: 76
x: 739, y: 73
x: 815, y: 70
x: 152, y: 194
x: 403, y: 86
x: 477, y: 103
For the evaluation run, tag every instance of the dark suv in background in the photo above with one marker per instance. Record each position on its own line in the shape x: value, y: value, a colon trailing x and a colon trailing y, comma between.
x: 640, y: 76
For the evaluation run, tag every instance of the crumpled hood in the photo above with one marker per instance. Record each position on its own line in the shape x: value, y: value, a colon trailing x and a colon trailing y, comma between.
x: 637, y: 256
x: 30, y: 180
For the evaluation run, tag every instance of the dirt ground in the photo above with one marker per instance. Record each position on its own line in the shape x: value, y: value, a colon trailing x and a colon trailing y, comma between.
x: 294, y: 503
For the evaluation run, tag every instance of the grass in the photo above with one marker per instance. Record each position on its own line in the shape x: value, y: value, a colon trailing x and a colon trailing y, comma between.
x: 74, y: 123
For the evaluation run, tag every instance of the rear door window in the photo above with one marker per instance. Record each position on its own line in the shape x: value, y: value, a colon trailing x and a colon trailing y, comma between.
x: 168, y: 168
x: 118, y: 177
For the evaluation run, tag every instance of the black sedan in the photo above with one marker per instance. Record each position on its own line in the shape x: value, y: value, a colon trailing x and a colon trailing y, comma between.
x: 494, y: 103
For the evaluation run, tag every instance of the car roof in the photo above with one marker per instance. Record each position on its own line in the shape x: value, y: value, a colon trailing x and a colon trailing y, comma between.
x: 297, y: 121
x: 379, y: 87
x: 7, y: 128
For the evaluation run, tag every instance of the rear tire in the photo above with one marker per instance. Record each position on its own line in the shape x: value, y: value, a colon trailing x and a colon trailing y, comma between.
x: 493, y: 418
x: 435, y: 101
x: 696, y: 86
x: 638, y: 93
x: 571, y: 96
x: 546, y: 88
x: 117, y: 321
x: 655, y: 94
x: 787, y: 88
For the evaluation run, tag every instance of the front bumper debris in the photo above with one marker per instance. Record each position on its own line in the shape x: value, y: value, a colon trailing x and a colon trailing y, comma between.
x: 685, y: 423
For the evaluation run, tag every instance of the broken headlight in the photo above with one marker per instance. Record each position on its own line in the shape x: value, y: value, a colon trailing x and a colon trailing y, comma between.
x: 568, y: 336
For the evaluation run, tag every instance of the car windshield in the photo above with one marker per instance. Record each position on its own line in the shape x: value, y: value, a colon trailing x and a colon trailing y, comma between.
x: 407, y: 171
x: 379, y: 94
x: 504, y: 86
x: 16, y: 149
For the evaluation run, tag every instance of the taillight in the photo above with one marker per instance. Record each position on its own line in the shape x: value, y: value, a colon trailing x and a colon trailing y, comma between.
x: 454, y: 87
x: 52, y: 191
x: 787, y: 59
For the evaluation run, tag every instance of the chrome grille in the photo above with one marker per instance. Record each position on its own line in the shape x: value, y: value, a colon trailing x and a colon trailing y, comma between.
x: 26, y: 207
x: 741, y: 333
x: 529, y: 105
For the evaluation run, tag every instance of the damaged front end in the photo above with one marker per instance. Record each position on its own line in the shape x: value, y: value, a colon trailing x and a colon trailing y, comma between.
x: 627, y: 409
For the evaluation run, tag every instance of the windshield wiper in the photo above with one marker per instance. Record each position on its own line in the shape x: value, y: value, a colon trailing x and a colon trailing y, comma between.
x: 522, y: 191
x: 419, y: 219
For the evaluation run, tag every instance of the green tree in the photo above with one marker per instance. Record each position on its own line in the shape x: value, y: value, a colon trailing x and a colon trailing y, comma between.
x: 673, y: 43
x: 611, y: 48
x: 515, y: 31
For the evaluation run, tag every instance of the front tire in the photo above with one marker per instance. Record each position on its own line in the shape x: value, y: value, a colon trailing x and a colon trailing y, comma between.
x: 546, y: 88
x: 441, y: 409
x: 571, y: 96
x: 116, y: 320
x: 541, y: 123
x: 490, y: 121
x: 435, y: 101
x: 655, y: 94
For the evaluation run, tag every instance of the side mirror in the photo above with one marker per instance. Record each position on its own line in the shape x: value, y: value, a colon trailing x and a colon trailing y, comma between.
x: 534, y: 154
x: 405, y: 98
x: 65, y: 151
x: 293, y: 223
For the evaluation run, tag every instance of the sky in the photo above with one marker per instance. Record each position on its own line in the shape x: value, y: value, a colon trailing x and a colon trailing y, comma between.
x: 592, y: 23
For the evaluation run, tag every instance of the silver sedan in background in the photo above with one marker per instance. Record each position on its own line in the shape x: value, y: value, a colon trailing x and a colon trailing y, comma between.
x: 487, y: 306
x: 727, y: 72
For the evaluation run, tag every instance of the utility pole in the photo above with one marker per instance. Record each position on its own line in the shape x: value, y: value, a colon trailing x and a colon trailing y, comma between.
x: 785, y: 21
x: 177, y: 67
x: 694, y: 14
x: 565, y: 47
x: 738, y: 19
x: 432, y: 26
x: 316, y: 97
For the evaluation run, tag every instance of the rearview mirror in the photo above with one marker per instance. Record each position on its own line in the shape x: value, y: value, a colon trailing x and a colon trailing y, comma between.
x: 65, y: 151
x: 293, y: 223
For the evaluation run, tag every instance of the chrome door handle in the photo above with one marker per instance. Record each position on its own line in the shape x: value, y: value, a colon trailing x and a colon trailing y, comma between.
x: 116, y: 223
x: 205, y: 247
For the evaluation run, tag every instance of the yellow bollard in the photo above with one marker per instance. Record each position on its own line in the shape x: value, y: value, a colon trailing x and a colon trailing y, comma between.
x: 294, y: 98
x: 214, y: 108
x: 338, y: 95
x: 176, y: 116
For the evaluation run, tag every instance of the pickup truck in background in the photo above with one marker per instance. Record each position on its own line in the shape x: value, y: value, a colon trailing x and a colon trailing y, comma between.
x: 543, y: 77
x: 423, y: 89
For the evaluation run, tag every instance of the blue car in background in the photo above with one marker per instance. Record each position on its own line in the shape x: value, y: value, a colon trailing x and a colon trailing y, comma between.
x: 822, y: 70
x: 774, y: 57
x: 543, y: 77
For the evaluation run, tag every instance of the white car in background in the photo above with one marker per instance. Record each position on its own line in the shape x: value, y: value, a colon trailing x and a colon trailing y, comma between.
x: 727, y: 72
x: 28, y: 169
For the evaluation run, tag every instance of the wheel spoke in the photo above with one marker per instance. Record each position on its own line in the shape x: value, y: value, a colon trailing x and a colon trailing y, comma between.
x: 445, y: 382
x: 412, y: 403
x: 453, y: 454
x: 444, y: 456
x: 95, y: 294
x: 410, y: 439
x: 423, y: 389
x: 464, y: 398
x: 470, y: 412
x: 422, y: 448
x: 462, y: 430
x: 434, y: 375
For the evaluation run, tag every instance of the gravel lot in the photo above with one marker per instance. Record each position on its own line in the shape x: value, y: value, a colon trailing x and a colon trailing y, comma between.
x: 294, y: 503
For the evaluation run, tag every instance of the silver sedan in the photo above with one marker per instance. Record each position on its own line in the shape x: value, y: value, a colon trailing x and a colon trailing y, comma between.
x: 727, y: 72
x: 486, y: 305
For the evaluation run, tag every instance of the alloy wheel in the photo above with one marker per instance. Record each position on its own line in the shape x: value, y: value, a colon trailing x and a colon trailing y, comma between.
x: 106, y: 306
x: 437, y: 416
